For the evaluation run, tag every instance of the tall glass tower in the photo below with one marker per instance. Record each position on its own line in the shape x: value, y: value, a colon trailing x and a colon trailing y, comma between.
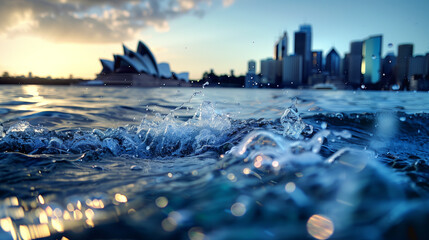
x: 333, y: 63
x: 405, y: 52
x: 371, y: 60
x: 306, y: 28
x: 281, y: 48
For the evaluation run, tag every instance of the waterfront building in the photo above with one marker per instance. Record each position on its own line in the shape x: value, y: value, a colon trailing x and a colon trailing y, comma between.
x: 251, y: 80
x: 405, y: 52
x: 281, y: 47
x: 251, y: 66
x: 332, y: 65
x: 345, y: 67
x: 271, y: 71
x: 354, y: 73
x: 316, y: 62
x: 388, y: 71
x: 292, y: 71
x: 306, y: 28
x: 371, y: 60
x: 138, y: 68
x: 427, y: 66
x: 300, y: 50
x: 164, y: 70
x: 416, y: 69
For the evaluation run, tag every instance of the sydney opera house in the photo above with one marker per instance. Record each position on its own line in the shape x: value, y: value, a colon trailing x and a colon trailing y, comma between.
x: 139, y: 69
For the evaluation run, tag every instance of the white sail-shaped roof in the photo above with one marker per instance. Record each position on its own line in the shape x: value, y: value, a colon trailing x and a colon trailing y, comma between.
x: 137, y: 57
x: 183, y: 76
x: 151, y: 68
x: 164, y: 70
x: 143, y: 50
x: 108, y: 66
x: 141, y: 61
x: 126, y: 50
x: 126, y: 64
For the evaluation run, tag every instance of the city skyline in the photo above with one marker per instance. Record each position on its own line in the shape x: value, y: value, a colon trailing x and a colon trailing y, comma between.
x: 200, y: 35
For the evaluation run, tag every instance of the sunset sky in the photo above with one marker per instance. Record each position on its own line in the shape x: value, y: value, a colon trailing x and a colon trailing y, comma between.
x: 62, y: 37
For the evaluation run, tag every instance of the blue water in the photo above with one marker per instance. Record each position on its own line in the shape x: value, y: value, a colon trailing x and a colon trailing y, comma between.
x: 183, y: 163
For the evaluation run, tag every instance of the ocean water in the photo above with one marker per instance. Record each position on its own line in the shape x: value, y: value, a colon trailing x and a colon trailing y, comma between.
x: 188, y: 163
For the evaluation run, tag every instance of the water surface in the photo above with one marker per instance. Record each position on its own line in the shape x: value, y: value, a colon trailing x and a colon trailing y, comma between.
x: 131, y: 163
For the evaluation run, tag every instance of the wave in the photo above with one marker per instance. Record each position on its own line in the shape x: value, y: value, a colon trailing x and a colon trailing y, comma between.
x: 335, y: 168
x: 159, y: 137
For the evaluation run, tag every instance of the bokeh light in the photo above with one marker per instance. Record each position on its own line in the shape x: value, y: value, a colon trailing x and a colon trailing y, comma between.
x: 320, y: 227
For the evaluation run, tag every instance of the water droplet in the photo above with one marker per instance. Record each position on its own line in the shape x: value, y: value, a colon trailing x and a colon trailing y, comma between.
x: 161, y: 202
x: 395, y: 87
x: 238, y: 209
x: 136, y: 168
x: 324, y: 125
x: 402, y: 119
x: 290, y: 187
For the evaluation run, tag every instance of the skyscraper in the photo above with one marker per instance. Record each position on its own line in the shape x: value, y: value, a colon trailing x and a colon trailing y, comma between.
x: 251, y: 80
x: 332, y: 65
x: 355, y: 63
x: 292, y: 71
x: 316, y: 62
x: 388, y: 75
x: 251, y: 66
x: 270, y: 71
x: 303, y: 48
x: 405, y: 52
x: 300, y: 50
x: 345, y: 67
x: 281, y: 48
x: 427, y: 66
x: 416, y: 72
x: 307, y: 58
x: 276, y: 50
x: 371, y: 60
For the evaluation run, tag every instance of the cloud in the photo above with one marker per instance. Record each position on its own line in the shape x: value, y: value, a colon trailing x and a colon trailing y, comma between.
x: 93, y: 21
x: 227, y: 3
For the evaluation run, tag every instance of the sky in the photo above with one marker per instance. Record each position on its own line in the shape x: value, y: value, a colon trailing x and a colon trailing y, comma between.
x: 59, y: 38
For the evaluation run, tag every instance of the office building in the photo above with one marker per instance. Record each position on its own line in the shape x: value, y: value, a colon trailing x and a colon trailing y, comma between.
x: 303, y: 48
x: 354, y: 73
x: 371, y: 60
x: 345, y: 67
x: 251, y: 79
x: 271, y: 71
x: 427, y: 66
x: 332, y: 65
x: 316, y: 62
x: 300, y: 50
x: 251, y: 66
x: 281, y: 48
x: 308, y: 47
x: 388, y: 71
x: 405, y: 52
x: 292, y: 71
x: 416, y: 69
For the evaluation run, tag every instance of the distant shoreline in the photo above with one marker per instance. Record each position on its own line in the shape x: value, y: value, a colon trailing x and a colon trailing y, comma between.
x: 40, y: 81
x: 65, y: 82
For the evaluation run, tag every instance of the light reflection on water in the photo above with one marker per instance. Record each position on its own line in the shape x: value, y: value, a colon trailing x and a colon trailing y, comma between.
x: 320, y: 227
x: 43, y: 220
